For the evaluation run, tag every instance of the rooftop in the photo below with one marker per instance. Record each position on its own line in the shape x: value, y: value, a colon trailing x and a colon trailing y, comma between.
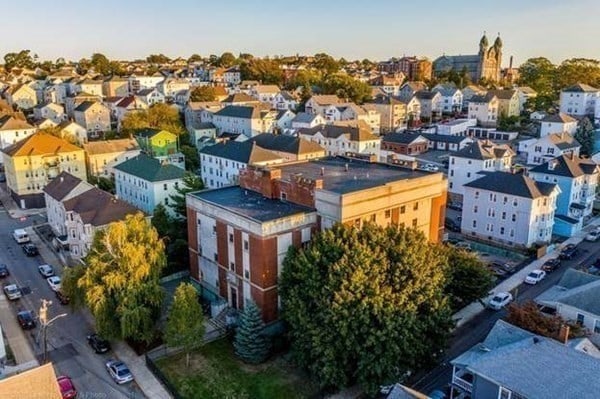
x: 150, y: 169
x: 247, y: 152
x: 99, y: 208
x: 567, y: 166
x: 40, y: 144
x: 516, y: 184
x: 110, y: 146
x: 250, y: 204
x: 360, y: 175
x: 287, y: 144
x: 62, y: 185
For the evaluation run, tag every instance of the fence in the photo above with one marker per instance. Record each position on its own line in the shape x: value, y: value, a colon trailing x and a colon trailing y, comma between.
x: 159, y: 353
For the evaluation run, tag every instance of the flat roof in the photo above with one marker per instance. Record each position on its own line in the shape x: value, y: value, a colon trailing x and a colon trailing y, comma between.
x: 250, y: 204
x: 361, y: 175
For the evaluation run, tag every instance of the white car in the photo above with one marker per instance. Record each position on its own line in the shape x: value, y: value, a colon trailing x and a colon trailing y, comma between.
x: 500, y: 300
x: 46, y: 270
x: 535, y: 276
x: 12, y: 292
x: 54, y: 283
x: 593, y: 236
x: 431, y: 167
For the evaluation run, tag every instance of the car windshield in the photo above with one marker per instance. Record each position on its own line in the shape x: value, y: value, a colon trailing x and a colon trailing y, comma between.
x: 498, y: 298
x: 11, y: 289
x: 122, y: 372
x: 533, y: 274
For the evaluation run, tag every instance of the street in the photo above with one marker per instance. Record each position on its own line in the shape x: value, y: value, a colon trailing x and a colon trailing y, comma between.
x: 476, y: 329
x: 66, y: 337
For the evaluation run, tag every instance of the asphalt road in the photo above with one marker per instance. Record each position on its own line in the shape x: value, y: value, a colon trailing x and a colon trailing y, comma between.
x: 67, y: 346
x: 475, y: 331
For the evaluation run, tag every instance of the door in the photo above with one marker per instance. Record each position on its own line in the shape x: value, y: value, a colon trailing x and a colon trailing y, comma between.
x: 233, y: 297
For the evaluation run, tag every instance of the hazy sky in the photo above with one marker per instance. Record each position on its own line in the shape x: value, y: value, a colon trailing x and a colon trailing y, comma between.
x: 354, y: 29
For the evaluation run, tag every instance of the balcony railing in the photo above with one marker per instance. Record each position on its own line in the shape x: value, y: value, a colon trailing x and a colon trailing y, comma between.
x: 463, y: 380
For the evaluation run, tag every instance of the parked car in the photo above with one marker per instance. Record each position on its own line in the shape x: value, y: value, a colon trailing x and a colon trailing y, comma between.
x: 12, y: 292
x: 463, y: 245
x: 551, y: 265
x: 506, y: 266
x: 25, y: 319
x: 452, y: 225
x: 431, y: 167
x: 568, y: 252
x: 98, y: 344
x: 54, y: 282
x: 119, y: 371
x: 67, y: 389
x: 497, y: 271
x: 46, y: 270
x: 593, y: 236
x: 30, y: 249
x: 535, y: 276
x: 500, y: 300
x: 62, y: 298
x: 4, y: 270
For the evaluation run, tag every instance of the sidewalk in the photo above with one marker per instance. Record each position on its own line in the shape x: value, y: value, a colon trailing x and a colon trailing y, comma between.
x: 15, y: 336
x: 13, y: 209
x: 472, y: 310
x: 144, y: 378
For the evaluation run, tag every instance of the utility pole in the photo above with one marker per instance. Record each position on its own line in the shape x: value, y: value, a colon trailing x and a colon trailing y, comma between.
x: 45, y: 323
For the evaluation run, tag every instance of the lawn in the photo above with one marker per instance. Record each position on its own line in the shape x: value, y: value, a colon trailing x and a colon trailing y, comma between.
x: 214, y: 372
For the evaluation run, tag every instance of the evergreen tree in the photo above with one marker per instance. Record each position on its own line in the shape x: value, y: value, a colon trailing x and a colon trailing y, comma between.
x: 249, y: 343
x: 585, y: 136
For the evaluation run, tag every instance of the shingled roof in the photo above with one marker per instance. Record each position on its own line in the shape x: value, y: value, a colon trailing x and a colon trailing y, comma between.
x: 567, y: 166
x: 99, y: 208
x: 559, y: 118
x: 516, y: 184
x: 150, y: 169
x: 8, y: 122
x: 247, y: 152
x: 110, y: 146
x: 580, y: 88
x: 242, y: 111
x: 287, y: 144
x: 354, y: 133
x: 62, y: 185
x: 484, y: 149
x: 40, y: 144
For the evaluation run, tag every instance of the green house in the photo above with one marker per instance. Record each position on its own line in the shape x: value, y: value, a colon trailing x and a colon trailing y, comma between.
x: 157, y: 143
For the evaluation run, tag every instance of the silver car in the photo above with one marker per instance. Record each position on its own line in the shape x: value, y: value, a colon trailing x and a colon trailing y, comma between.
x: 119, y: 371
x: 12, y: 292
x: 46, y: 270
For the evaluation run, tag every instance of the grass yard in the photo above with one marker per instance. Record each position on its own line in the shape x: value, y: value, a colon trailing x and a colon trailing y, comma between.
x: 214, y: 372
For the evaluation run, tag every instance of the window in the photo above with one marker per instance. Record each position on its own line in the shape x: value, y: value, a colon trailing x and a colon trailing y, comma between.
x: 475, y: 209
x: 580, y: 319
x: 165, y: 186
x: 415, y: 222
x: 403, y: 209
x: 416, y: 206
x: 230, y: 237
x: 514, y: 217
x: 216, y: 257
x: 215, y: 229
x: 283, y: 196
x: 373, y: 218
x: 501, y: 230
x: 232, y: 266
x: 246, y: 245
x: 476, y: 194
x: 474, y: 224
x: 597, y: 326
x: 388, y: 214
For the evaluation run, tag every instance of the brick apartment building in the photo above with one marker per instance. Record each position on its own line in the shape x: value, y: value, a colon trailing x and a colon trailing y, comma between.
x: 239, y: 235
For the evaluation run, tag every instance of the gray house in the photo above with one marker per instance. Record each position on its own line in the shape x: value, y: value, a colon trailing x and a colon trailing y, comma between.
x: 512, y: 363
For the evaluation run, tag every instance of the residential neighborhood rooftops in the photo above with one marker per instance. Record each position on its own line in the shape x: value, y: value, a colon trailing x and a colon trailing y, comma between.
x: 576, y: 288
x: 110, y: 146
x: 516, y: 184
x: 532, y: 366
x: 288, y: 144
x: 401, y: 137
x: 98, y: 208
x: 242, y: 111
x: 239, y: 98
x: 39, y: 382
x: 579, y: 88
x: 482, y: 98
x: 250, y: 204
x: 40, y: 144
x: 564, y: 141
x: 360, y: 175
x: 559, y: 118
x: 84, y: 106
x: 484, y: 149
x: 247, y: 152
x: 59, y: 187
x: 150, y: 169
x: 354, y: 133
x: 9, y: 122
x: 567, y: 166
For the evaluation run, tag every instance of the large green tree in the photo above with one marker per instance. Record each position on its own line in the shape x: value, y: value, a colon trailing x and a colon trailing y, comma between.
x: 22, y: 59
x: 326, y: 63
x: 191, y: 183
x: 185, y: 324
x: 159, y: 116
x: 250, y: 343
x: 539, y: 74
x: 203, y: 93
x: 467, y: 278
x: 120, y: 282
x: 263, y: 70
x: 226, y: 60
x: 157, y: 59
x: 346, y: 86
x: 365, y: 305
x: 585, y: 136
x: 100, y: 63
x: 578, y: 70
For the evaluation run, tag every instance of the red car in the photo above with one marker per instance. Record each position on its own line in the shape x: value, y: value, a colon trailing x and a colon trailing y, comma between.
x: 67, y: 389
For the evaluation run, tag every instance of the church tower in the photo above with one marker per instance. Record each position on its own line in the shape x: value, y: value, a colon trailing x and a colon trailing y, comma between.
x: 490, y: 59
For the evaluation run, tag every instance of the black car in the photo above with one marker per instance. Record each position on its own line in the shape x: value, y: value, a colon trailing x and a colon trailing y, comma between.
x: 30, y: 249
x: 551, y: 265
x: 26, y: 320
x: 568, y: 252
x: 98, y: 344
x: 62, y: 298
x: 3, y: 270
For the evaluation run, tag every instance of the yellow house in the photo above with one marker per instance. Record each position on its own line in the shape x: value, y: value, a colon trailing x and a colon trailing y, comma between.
x: 33, y: 162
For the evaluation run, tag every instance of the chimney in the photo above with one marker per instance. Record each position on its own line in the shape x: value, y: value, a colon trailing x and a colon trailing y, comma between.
x: 563, y: 334
x: 552, y: 164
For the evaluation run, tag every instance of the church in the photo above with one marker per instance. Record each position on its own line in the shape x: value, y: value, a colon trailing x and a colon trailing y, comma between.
x: 486, y: 64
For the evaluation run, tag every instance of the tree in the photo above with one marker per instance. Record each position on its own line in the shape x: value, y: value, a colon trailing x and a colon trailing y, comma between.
x: 157, y: 59
x: 578, y: 70
x: 346, y: 86
x: 360, y: 302
x: 226, y: 60
x: 191, y: 182
x: 159, y: 116
x: 585, y: 136
x: 508, y: 123
x: 539, y: 74
x: 192, y: 159
x: 250, y: 344
x: 529, y: 317
x: 194, y: 58
x: 22, y: 59
x: 161, y: 221
x: 467, y: 279
x: 121, y: 281
x: 185, y: 325
x: 203, y: 93
x: 104, y: 183
x: 100, y: 63
x: 326, y: 63
x: 263, y: 70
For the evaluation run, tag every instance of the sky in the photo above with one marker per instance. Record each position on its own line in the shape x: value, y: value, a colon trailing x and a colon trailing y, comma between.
x: 353, y: 29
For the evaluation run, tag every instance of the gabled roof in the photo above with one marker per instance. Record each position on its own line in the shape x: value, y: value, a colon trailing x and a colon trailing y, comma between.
x: 110, y: 146
x: 516, y: 184
x: 62, y: 185
x: 151, y: 132
x: 267, y: 89
x: 84, y: 106
x: 580, y: 88
x: 445, y: 138
x: 40, y: 144
x: 503, y: 94
x: 327, y: 99
x: 563, y: 141
x: 559, y: 118
x: 484, y: 149
x: 415, y: 86
x: 483, y: 98
x: 567, y: 166
x: 150, y: 169
x: 288, y: 144
x: 243, y: 111
x: 354, y: 133
x: 39, y: 382
x: 99, y: 208
x: 247, y: 152
x: 532, y: 366
x: 426, y: 95
x: 401, y: 138
x: 239, y: 98
x: 304, y: 117
x: 8, y: 122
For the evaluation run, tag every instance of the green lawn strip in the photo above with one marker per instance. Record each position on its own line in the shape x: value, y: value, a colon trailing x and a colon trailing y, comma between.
x: 214, y: 372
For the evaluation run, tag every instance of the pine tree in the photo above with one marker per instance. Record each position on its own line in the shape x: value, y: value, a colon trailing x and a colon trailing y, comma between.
x: 249, y: 343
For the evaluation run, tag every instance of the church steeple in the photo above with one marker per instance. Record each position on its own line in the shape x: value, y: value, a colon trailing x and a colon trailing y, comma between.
x: 483, y: 43
x: 498, y: 42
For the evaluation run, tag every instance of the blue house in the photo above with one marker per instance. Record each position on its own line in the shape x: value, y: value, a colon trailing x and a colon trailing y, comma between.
x: 577, y: 179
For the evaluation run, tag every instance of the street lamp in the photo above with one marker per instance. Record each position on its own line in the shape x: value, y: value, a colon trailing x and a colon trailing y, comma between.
x: 45, y: 323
